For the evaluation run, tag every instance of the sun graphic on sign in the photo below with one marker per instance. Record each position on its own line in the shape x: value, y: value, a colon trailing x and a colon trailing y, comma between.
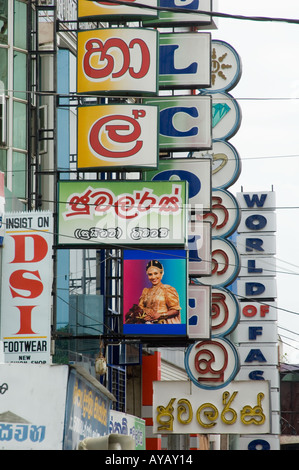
x: 218, y: 66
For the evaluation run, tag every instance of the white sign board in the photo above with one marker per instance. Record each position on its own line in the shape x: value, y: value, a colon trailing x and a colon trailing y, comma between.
x: 181, y: 408
x: 27, y: 274
x: 32, y: 406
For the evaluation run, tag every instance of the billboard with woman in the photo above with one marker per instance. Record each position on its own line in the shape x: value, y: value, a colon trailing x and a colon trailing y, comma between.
x: 155, y: 292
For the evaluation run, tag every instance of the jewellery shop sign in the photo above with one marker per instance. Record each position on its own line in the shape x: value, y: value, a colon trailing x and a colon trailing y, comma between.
x: 182, y: 408
x: 118, y: 212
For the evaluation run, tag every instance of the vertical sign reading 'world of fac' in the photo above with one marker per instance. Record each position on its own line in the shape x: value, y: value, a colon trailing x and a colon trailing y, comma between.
x: 27, y: 275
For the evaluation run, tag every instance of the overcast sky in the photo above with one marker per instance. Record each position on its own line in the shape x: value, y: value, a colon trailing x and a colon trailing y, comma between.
x: 268, y: 139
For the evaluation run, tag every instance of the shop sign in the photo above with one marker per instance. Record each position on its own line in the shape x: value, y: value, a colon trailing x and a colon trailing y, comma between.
x: 226, y: 67
x: 170, y: 17
x: 117, y: 61
x: 258, y: 354
x: 260, y: 372
x: 256, y: 244
x: 32, y: 406
x: 225, y: 263
x: 253, y: 288
x: 182, y: 408
x: 261, y: 200
x: 251, y: 332
x: 199, y: 247
x: 27, y: 275
x: 185, y: 122
x: 225, y: 312
x: 196, y: 171
x: 226, y: 164
x: 105, y: 11
x: 259, y: 266
x: 225, y: 213
x: 258, y: 311
x: 212, y: 363
x: 86, y: 412
x: 117, y: 136
x: 261, y: 221
x: 264, y: 442
x: 122, y: 212
x: 155, y: 292
x: 226, y: 116
x: 128, y: 425
x: 199, y: 307
x: 180, y: 70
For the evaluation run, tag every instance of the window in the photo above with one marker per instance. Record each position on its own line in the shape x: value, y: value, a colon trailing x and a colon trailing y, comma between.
x: 3, y: 139
x: 20, y: 25
x: 18, y: 175
x: 3, y: 21
x: 19, y: 125
x: 20, y: 75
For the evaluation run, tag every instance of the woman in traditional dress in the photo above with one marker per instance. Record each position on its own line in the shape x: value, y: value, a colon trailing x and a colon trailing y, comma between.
x: 160, y: 302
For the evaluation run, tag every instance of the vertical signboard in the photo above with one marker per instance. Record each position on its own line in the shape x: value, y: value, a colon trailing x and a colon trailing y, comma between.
x: 180, y: 70
x: 117, y: 61
x: 27, y: 275
x: 87, y: 410
x: 185, y: 122
x: 256, y: 336
x: 117, y: 136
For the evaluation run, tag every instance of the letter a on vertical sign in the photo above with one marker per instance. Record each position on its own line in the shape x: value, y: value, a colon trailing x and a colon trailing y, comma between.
x: 117, y: 61
x: 27, y: 283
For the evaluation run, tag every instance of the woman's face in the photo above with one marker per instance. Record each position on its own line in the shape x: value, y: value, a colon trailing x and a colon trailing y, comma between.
x: 154, y: 275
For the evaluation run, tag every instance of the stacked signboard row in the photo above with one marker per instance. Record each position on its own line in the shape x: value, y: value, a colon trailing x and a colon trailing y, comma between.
x: 164, y: 96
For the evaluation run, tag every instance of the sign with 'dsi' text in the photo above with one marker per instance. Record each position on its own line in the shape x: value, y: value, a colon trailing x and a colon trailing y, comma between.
x: 117, y: 61
x: 27, y: 283
x: 117, y: 136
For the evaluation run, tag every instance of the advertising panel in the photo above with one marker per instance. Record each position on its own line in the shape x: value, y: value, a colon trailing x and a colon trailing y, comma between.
x: 226, y: 163
x: 27, y: 276
x: 122, y: 212
x: 155, y: 292
x: 225, y: 214
x: 117, y: 61
x: 87, y: 410
x: 128, y: 425
x: 185, y: 122
x: 197, y: 171
x: 32, y: 406
x: 180, y: 70
x: 105, y: 11
x: 199, y: 246
x: 117, y: 136
x: 212, y: 364
x: 171, y: 18
x: 226, y: 118
x: 199, y: 308
x: 182, y: 408
x: 226, y: 67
